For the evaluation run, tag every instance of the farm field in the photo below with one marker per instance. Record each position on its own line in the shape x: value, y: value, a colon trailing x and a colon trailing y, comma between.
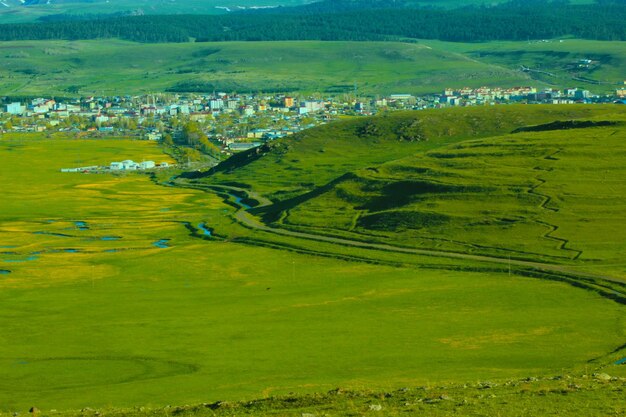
x: 113, y: 294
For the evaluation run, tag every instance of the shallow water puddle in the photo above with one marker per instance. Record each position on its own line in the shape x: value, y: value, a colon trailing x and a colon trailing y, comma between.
x: 205, y: 230
x: 162, y: 244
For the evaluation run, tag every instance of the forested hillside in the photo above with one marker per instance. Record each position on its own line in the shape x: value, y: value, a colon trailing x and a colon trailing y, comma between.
x: 513, y: 21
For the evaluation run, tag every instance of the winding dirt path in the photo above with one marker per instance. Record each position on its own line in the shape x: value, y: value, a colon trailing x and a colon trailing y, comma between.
x: 249, y: 220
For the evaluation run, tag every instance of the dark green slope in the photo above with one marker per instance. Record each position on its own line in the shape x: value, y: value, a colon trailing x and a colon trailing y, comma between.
x: 504, y: 22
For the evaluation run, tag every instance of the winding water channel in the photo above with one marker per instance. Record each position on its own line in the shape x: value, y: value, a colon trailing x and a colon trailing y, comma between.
x: 205, y: 230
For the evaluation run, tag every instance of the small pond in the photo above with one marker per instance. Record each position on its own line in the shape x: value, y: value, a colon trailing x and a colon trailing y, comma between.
x: 162, y: 244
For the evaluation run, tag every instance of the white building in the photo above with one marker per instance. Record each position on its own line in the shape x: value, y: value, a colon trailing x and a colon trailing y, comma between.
x: 405, y: 97
x: 15, y: 108
x: 129, y: 165
x: 154, y: 136
x: 216, y: 104
x: 232, y: 104
x: 147, y: 165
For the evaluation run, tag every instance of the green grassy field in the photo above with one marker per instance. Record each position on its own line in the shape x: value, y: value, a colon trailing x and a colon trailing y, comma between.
x: 554, y: 61
x: 598, y: 394
x: 117, y: 67
x: 112, y: 296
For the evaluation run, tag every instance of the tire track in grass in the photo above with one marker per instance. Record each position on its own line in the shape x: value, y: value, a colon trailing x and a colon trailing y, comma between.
x: 437, y: 242
x: 68, y: 373
x: 547, y: 270
x: 545, y: 205
x: 231, y: 199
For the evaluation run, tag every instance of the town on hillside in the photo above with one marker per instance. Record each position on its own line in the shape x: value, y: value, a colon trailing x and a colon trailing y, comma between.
x: 237, y: 122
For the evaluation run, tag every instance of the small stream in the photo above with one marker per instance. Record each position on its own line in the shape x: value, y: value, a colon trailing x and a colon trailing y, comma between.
x: 621, y: 362
x: 239, y: 201
x: 4, y: 272
x: 205, y: 230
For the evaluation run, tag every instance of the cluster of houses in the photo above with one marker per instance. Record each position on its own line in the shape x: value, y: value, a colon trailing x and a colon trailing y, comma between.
x: 531, y: 95
x: 149, y: 117
x: 127, y: 165
x: 130, y: 165
x: 238, y: 122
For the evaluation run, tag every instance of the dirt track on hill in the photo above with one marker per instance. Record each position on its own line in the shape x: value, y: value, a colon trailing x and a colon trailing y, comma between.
x: 247, y: 219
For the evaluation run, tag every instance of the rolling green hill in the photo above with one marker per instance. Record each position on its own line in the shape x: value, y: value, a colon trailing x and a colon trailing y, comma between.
x: 507, y: 196
x: 554, y: 62
x: 118, y: 67
x: 105, y: 67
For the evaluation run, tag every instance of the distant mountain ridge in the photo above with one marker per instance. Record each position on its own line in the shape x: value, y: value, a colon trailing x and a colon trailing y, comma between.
x: 132, y: 3
x: 17, y: 3
x: 339, y: 6
x: 335, y: 6
x: 471, y: 24
x: 23, y: 11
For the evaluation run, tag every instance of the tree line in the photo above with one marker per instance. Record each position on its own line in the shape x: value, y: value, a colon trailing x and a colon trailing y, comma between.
x: 513, y: 21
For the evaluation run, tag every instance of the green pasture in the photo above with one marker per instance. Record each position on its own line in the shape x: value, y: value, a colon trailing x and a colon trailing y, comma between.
x: 579, y: 395
x: 94, y: 314
x: 110, y: 67
x: 554, y: 60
